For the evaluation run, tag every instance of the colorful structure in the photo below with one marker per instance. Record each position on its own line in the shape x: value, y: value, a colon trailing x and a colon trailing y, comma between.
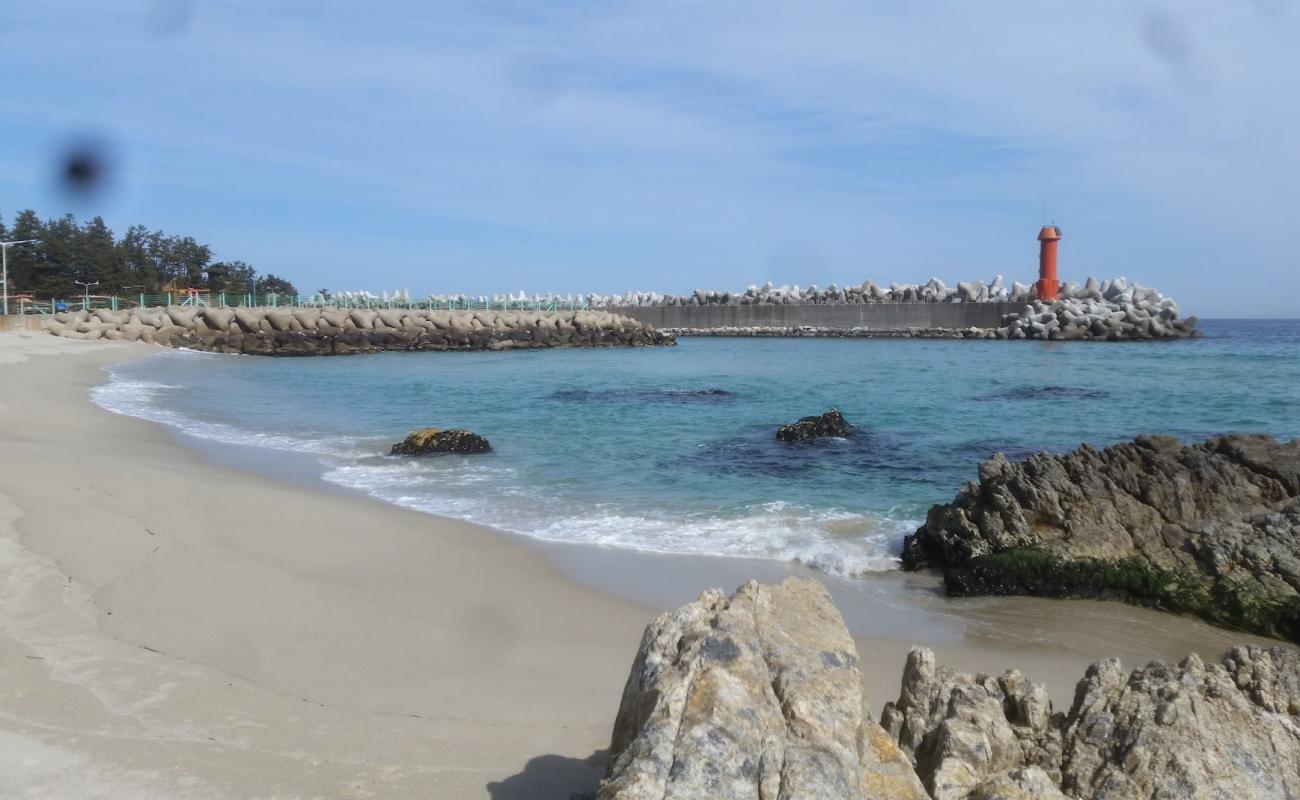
x: 1047, y: 286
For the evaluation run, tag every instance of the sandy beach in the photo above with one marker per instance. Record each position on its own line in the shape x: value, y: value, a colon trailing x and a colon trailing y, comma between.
x: 174, y: 627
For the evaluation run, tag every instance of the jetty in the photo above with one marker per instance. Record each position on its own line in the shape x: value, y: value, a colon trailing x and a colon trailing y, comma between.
x: 344, y: 331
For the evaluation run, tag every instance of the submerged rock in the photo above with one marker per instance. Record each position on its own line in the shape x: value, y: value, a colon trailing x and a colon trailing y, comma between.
x: 1211, y: 529
x: 753, y: 697
x: 832, y: 423
x: 429, y: 441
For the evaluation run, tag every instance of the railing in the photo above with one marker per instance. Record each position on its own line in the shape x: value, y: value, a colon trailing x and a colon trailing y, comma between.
x: 231, y: 300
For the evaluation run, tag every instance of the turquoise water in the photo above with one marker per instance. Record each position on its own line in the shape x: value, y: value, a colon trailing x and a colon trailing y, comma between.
x: 673, y: 449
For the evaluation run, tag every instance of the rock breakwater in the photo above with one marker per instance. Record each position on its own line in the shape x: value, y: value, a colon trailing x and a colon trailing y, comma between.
x: 1097, y: 310
x: 1131, y: 312
x: 314, y: 331
x: 1211, y: 529
x: 828, y: 332
x: 760, y: 696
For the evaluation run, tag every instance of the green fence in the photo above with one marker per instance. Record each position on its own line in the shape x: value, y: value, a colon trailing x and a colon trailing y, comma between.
x: 229, y: 300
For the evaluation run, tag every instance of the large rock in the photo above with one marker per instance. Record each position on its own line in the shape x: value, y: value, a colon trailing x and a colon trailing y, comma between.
x: 430, y: 441
x: 1194, y: 731
x: 1211, y: 529
x: 961, y: 730
x: 1228, y: 730
x: 756, y: 697
x: 832, y: 423
x: 1028, y: 783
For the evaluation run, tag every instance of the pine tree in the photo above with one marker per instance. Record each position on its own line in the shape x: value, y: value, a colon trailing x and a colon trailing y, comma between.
x: 23, y: 259
x: 143, y: 261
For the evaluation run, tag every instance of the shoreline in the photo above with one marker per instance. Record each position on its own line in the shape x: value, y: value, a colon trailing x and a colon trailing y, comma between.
x: 361, y: 649
x: 278, y: 638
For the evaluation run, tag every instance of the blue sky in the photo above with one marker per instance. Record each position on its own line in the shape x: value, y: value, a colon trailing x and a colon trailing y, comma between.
x: 583, y: 146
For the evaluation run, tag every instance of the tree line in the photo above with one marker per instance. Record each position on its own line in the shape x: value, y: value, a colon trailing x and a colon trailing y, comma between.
x: 140, y: 262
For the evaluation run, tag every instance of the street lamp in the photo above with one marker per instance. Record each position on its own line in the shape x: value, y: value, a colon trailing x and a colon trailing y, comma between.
x: 4, y: 255
x: 85, y: 304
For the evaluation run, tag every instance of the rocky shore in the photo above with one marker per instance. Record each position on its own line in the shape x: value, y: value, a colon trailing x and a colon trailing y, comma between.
x: 760, y: 696
x: 314, y: 331
x: 1211, y: 529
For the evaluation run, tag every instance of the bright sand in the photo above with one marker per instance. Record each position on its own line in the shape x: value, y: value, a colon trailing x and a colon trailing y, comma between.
x: 170, y: 627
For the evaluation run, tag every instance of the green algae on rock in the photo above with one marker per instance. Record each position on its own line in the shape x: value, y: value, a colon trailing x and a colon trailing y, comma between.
x: 1211, y: 529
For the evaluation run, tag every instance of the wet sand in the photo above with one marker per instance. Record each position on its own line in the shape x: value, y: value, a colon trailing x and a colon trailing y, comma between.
x: 171, y: 626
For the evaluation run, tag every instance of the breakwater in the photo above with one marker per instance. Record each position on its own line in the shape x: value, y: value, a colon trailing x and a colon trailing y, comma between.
x: 314, y: 331
x: 820, y: 319
x: 1095, y: 310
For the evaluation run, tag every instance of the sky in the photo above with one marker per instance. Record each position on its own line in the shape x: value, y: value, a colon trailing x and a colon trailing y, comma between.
x: 487, y: 147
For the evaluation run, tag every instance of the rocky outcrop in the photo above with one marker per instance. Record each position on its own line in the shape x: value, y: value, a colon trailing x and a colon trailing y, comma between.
x: 431, y: 441
x: 1211, y: 529
x: 1193, y: 730
x: 1188, y: 731
x: 758, y: 696
x: 832, y: 423
x: 960, y: 730
x: 755, y: 697
x: 342, y: 331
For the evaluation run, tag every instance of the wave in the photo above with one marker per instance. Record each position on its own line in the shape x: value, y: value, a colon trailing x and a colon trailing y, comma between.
x: 831, y: 540
x: 147, y: 400
x: 492, y: 492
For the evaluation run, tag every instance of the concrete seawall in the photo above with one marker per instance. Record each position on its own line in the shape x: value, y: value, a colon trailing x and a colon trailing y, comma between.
x: 872, y: 316
x: 22, y: 322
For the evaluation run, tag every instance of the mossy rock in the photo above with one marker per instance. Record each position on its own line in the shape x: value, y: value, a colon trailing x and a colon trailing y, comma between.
x: 1243, y: 603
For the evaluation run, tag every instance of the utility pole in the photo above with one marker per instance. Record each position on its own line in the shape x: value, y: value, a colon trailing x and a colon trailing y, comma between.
x: 85, y: 304
x: 4, y: 255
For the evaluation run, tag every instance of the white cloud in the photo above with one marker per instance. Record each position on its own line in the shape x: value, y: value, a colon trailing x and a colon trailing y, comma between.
x: 662, y: 145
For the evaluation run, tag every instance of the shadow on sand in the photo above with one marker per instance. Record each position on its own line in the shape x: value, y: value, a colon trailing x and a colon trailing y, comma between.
x: 553, y: 777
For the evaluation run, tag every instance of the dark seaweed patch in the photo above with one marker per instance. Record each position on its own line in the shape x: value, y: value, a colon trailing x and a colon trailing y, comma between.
x: 1046, y: 393
x: 759, y: 454
x: 642, y: 395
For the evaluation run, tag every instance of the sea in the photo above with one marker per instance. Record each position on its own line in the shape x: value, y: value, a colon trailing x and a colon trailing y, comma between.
x: 673, y: 450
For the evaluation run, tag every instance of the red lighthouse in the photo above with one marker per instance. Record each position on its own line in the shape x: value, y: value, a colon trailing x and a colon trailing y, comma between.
x: 1048, y: 285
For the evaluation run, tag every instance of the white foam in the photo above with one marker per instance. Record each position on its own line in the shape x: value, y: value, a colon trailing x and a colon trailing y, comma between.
x: 490, y: 492
x: 834, y: 541
x: 147, y: 400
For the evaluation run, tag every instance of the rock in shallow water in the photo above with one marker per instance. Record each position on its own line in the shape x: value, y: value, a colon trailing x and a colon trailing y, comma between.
x: 832, y: 423
x: 430, y: 441
x: 756, y: 697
